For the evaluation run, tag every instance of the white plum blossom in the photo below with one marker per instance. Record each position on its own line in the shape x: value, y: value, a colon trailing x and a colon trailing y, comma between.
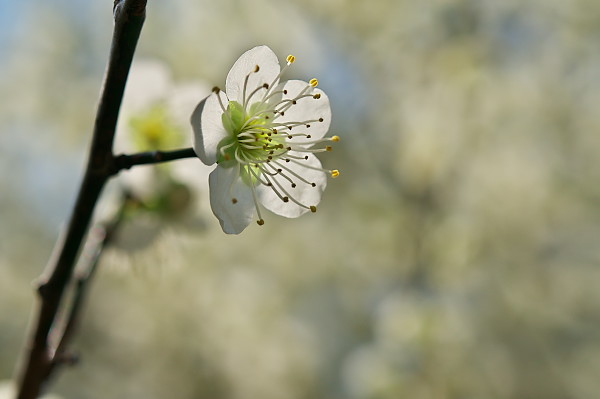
x: 262, y: 133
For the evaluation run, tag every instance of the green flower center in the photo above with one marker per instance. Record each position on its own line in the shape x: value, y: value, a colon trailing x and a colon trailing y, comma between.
x: 251, y: 140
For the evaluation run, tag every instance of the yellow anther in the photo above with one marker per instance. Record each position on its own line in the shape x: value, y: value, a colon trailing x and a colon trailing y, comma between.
x: 290, y: 59
x: 335, y: 138
x: 335, y: 173
x: 313, y: 208
x: 260, y: 222
x: 329, y: 148
x: 313, y: 82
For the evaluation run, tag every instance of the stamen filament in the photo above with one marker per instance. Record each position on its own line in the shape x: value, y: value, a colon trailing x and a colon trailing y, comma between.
x: 281, y: 197
x: 260, y: 220
x: 296, y: 175
x: 294, y: 200
x: 311, y: 167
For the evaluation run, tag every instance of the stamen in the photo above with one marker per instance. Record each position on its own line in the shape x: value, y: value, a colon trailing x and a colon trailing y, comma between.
x: 311, y: 150
x: 289, y: 101
x: 222, y: 150
x: 331, y: 172
x: 288, y: 155
x: 280, y: 172
x: 294, y: 123
x: 247, y: 100
x: 313, y: 208
x: 313, y: 82
x: 294, y: 200
x: 244, y: 93
x: 335, y: 138
x: 296, y: 175
x: 335, y: 173
x: 260, y: 220
x: 272, y: 94
x: 281, y: 197
x: 290, y: 60
x: 217, y: 91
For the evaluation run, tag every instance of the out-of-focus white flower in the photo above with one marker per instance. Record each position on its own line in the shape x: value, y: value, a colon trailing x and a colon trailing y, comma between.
x: 154, y: 116
x: 261, y: 134
x: 155, y: 109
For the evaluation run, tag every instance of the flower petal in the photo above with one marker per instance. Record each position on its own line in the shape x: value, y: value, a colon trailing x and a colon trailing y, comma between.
x: 208, y: 128
x: 306, y: 109
x: 225, y: 184
x: 303, y: 192
x: 268, y: 64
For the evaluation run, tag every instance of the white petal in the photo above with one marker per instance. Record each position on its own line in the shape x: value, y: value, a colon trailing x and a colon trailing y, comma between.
x: 306, y: 109
x: 208, y: 128
x: 304, y: 193
x: 226, y: 184
x: 246, y: 64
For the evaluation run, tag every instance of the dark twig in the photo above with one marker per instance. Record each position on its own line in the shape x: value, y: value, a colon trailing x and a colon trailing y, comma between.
x: 99, y: 238
x: 37, y: 366
x: 144, y: 158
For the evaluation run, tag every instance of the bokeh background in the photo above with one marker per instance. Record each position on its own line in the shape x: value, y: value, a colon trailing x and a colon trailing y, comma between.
x: 456, y: 256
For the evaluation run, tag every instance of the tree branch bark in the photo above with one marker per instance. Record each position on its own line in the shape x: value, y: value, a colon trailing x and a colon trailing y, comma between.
x: 126, y: 161
x: 129, y: 17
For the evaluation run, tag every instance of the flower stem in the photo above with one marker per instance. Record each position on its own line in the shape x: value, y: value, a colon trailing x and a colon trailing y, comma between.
x: 41, y: 360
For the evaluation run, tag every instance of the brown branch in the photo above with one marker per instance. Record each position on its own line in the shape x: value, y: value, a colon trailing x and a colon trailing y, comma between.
x: 144, y: 158
x: 37, y: 366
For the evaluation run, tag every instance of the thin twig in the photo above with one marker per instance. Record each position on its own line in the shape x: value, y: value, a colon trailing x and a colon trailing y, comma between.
x: 37, y: 366
x: 99, y: 238
x: 151, y: 157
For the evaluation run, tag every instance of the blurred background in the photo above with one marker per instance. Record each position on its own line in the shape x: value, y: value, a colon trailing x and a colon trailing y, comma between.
x: 455, y: 257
